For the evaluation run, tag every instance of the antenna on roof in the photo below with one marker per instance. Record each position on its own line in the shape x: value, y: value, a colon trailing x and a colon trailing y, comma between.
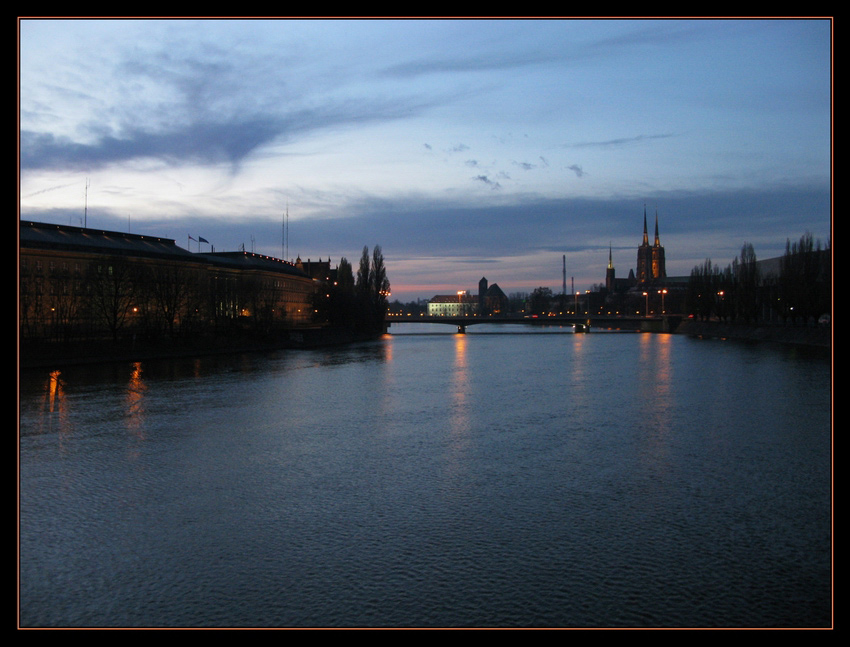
x: 86, y: 209
x: 564, y: 271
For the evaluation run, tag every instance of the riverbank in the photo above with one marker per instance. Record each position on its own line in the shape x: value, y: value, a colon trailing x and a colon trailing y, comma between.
x: 45, y: 355
x: 819, y: 336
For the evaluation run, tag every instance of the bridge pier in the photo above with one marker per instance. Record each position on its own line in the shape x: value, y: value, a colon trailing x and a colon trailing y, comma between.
x: 461, y: 329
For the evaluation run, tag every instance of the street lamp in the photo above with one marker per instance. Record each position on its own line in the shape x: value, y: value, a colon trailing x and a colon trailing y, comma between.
x: 662, y: 293
x: 646, y: 309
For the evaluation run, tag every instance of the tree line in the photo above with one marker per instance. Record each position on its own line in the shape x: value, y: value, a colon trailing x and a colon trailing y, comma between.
x: 800, y: 292
x: 356, y: 301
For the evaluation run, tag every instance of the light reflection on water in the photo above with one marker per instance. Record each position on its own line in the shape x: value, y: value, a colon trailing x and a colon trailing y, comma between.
x: 486, y: 479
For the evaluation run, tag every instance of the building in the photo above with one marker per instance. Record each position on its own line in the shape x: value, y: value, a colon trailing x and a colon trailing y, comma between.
x: 81, y: 283
x: 453, y: 305
x: 491, y: 299
x: 319, y: 270
x: 651, y: 265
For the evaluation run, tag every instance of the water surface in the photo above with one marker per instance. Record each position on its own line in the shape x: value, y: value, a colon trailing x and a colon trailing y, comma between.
x: 510, y: 477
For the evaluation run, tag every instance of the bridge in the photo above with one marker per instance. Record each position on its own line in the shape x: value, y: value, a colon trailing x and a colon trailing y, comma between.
x: 657, y: 323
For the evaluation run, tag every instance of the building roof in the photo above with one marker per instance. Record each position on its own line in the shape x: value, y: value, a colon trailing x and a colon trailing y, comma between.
x: 65, y: 238
x: 37, y: 235
x: 495, y: 291
x: 453, y: 298
x: 252, y: 261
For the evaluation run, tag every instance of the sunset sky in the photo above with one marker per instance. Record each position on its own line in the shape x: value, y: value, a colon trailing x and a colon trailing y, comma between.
x: 465, y: 148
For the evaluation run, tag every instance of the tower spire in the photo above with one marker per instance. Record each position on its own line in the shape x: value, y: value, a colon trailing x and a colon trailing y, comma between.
x: 645, y: 235
x: 657, y: 241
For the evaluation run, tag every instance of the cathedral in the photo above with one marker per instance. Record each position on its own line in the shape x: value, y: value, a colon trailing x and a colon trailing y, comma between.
x: 651, y: 265
x: 650, y: 258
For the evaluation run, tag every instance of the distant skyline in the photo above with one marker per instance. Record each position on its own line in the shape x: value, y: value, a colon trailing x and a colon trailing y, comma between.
x: 465, y: 148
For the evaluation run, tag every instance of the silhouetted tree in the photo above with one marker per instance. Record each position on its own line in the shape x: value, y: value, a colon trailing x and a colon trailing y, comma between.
x: 358, y: 302
x: 380, y: 286
x: 747, y: 280
x: 541, y: 300
x: 111, y: 287
x: 337, y: 304
x: 800, y: 271
x: 702, y: 290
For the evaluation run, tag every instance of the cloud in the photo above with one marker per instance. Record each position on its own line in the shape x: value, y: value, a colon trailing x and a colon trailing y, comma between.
x: 206, y: 143
x: 48, y: 190
x: 195, y: 101
x: 486, y: 180
x: 575, y: 168
x: 622, y: 141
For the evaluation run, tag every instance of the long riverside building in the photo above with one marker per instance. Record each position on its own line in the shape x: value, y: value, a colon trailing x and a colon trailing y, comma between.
x: 85, y: 283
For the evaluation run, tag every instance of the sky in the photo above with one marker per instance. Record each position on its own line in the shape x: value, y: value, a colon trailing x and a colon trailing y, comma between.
x: 506, y: 149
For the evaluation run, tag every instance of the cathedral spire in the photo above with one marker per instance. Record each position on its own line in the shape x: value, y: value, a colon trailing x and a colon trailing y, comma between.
x: 657, y: 242
x: 645, y: 236
x: 610, y: 262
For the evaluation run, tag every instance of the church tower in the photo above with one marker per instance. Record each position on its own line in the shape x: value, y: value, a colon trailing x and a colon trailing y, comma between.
x: 609, y: 273
x: 651, y: 264
x: 644, y: 255
x: 659, y: 267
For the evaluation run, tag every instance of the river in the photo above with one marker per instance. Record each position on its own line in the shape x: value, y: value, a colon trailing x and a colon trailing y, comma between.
x: 509, y: 477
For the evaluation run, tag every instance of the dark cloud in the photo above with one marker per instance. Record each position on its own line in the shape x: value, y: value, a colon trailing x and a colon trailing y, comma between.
x: 210, y: 141
x: 416, y: 227
x: 413, y: 228
x: 203, y: 142
x: 486, y: 180
x: 204, y: 105
x: 693, y: 227
x: 622, y: 141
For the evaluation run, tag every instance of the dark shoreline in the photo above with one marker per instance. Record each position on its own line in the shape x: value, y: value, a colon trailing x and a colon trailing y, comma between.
x: 52, y: 355
x: 40, y: 356
x: 817, y: 336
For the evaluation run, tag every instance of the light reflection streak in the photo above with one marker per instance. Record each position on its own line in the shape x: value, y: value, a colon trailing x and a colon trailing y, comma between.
x: 55, y: 402
x: 134, y: 400
x: 460, y: 418
x: 459, y: 421
x: 54, y: 390
x: 580, y: 373
x: 655, y: 392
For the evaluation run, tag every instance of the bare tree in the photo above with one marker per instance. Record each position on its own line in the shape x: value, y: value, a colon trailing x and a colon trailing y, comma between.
x: 111, y: 288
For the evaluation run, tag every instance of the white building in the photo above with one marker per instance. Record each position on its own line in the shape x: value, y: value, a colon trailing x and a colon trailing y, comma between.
x: 453, y: 305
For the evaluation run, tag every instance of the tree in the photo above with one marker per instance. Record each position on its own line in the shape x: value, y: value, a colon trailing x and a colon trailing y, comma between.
x: 703, y: 288
x: 359, y: 302
x: 800, y: 272
x: 337, y: 304
x: 362, y: 286
x: 167, y: 293
x: 380, y: 285
x: 747, y: 280
x: 112, y: 290
x: 345, y: 276
x: 541, y: 300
